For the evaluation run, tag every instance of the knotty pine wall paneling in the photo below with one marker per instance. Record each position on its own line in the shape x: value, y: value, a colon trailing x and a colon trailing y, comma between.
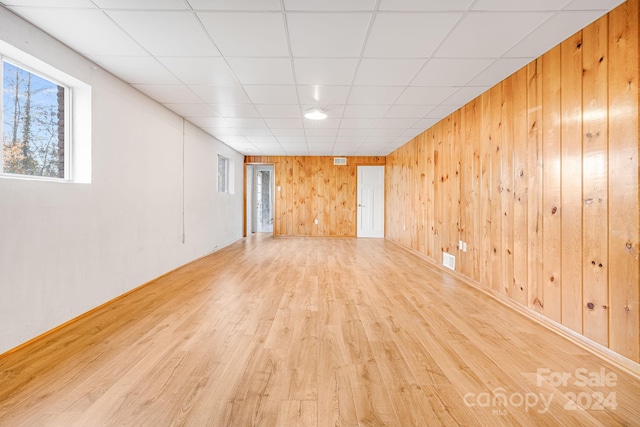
x: 539, y: 175
x: 622, y: 162
x: 311, y: 188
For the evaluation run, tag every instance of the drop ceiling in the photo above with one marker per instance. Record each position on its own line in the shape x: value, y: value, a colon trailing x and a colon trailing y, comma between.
x: 246, y: 71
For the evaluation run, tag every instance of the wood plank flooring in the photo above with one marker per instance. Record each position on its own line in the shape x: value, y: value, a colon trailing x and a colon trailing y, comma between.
x: 310, y: 332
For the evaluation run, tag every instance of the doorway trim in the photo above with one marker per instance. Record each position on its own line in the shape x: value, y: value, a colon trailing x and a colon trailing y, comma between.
x: 358, y: 200
x: 244, y: 192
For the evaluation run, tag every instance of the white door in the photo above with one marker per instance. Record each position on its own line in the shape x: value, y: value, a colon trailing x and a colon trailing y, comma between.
x: 370, y: 201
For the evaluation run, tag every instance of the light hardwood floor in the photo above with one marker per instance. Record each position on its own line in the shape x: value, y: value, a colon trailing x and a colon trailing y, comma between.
x: 309, y: 332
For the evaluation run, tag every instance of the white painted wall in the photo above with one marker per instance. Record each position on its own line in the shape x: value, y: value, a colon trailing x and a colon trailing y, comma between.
x: 66, y: 248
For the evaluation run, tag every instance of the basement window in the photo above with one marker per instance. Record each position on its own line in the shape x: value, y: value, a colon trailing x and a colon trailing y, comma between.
x: 35, y: 114
x: 223, y: 174
x: 46, y: 120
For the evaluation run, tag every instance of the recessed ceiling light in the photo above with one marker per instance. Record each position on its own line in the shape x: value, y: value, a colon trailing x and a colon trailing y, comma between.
x: 315, y: 115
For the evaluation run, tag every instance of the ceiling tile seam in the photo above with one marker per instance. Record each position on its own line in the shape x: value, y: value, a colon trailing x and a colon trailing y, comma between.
x: 360, y: 57
x: 451, y: 30
x: 151, y: 55
x: 155, y: 58
x: 225, y: 59
x: 553, y: 15
x: 285, y: 22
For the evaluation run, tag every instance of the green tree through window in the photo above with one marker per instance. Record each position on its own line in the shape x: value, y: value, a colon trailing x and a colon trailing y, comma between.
x: 33, y: 128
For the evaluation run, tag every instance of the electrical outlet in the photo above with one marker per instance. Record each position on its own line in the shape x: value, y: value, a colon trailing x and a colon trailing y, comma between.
x: 315, y: 221
x: 464, y: 246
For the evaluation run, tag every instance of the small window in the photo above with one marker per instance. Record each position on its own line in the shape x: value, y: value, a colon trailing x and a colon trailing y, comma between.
x: 223, y: 174
x: 34, y: 124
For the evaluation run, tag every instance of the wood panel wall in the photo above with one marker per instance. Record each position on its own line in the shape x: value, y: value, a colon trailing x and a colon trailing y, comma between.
x: 311, y: 188
x: 539, y: 176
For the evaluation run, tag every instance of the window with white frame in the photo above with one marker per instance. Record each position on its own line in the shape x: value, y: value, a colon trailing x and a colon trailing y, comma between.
x: 35, y: 124
x: 223, y: 174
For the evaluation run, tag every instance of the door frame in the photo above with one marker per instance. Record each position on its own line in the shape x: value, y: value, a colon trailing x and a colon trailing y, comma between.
x: 244, y: 192
x: 384, y: 192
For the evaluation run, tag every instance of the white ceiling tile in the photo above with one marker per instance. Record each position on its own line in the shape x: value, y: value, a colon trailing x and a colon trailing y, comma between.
x: 425, y: 95
x: 298, y: 144
x: 465, y: 95
x: 559, y: 27
x: 322, y: 95
x: 374, y: 94
x: 365, y: 111
x: 142, y: 4
x: 319, y: 141
x: 279, y: 111
x: 402, y: 86
x: 408, y: 35
x: 247, y: 34
x: 329, y: 5
x: 408, y: 111
x: 603, y: 5
x: 231, y: 139
x: 272, y: 94
x: 424, y: 124
x: 267, y: 147
x: 294, y: 144
x: 312, y: 133
x: 262, y: 71
x: 179, y: 94
x: 222, y: 132
x: 236, y: 110
x: 358, y: 123
x: 325, y: 71
x: 364, y: 150
x: 449, y: 72
x: 351, y: 133
x: 174, y: 33
x: 246, y: 149
x: 284, y: 123
x: 200, y: 70
x: 387, y: 72
x: 254, y: 131
x: 412, y: 133
x: 48, y: 3
x: 441, y: 111
x: 422, y: 5
x: 379, y: 140
x: 287, y: 133
x: 245, y: 122
x: 263, y: 5
x: 90, y: 32
x: 262, y: 139
x: 395, y: 123
x: 504, y: 5
x: 394, y: 132
x: 221, y: 94
x: 210, y: 122
x: 136, y: 69
x: 500, y: 32
x: 333, y: 35
x: 498, y: 71
x: 350, y: 140
x: 192, y: 110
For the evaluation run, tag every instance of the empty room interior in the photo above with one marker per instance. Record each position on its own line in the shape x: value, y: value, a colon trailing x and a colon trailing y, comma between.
x: 319, y: 213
